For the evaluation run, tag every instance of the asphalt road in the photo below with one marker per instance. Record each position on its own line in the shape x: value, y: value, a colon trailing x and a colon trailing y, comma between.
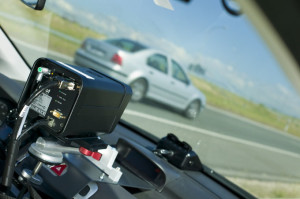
x: 229, y: 144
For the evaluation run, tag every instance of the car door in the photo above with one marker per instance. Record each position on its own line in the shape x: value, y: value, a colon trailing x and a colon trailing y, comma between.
x: 158, y: 76
x: 180, y: 83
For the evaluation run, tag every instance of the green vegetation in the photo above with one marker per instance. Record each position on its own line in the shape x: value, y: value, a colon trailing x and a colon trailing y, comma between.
x: 266, y: 189
x: 52, y: 42
x: 231, y: 102
x: 19, y: 30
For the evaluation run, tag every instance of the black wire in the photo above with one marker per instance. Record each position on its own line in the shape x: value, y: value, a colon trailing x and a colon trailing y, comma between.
x: 22, y: 192
x: 16, y: 128
x: 13, y: 147
x: 36, y: 124
x: 32, y: 97
x: 36, y: 93
x: 32, y: 88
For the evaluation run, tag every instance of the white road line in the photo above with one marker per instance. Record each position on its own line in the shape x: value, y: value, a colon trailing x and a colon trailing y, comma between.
x: 244, y: 119
x: 211, y: 133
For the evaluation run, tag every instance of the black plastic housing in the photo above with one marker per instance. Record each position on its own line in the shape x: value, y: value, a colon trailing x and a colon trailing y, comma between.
x: 94, y: 106
x: 182, y: 156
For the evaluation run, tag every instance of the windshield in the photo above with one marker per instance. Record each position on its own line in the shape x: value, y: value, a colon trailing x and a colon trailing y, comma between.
x: 195, y: 71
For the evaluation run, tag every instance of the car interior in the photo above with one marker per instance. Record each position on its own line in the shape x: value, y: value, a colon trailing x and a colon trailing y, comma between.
x: 75, y: 143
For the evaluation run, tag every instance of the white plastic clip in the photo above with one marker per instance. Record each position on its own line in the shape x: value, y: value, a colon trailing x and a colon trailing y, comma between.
x: 106, y: 162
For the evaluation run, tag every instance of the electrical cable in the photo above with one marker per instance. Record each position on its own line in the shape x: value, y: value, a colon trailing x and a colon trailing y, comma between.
x: 14, y: 144
x: 22, y: 192
x: 24, y: 112
x: 22, y: 117
x: 36, y: 93
x: 36, y: 124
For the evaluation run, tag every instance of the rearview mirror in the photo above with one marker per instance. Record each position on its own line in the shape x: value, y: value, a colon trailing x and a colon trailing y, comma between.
x: 35, y: 4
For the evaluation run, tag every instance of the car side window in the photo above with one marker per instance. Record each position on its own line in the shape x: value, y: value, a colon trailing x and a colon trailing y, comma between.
x: 159, y: 62
x: 178, y: 73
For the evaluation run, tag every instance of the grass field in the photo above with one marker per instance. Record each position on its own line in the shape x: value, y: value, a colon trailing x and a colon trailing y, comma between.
x: 231, y: 102
x: 19, y: 29
x: 269, y: 189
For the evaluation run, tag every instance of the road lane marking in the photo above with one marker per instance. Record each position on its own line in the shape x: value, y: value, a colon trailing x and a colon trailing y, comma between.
x: 211, y: 133
x: 249, y: 121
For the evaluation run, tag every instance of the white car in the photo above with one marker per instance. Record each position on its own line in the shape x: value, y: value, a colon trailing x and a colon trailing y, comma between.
x: 150, y: 73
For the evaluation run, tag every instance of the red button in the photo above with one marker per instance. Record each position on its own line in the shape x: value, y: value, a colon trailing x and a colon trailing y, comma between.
x: 96, y: 155
x: 86, y: 152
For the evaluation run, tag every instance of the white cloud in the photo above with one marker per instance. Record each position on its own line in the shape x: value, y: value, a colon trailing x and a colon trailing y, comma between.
x: 250, y: 83
x: 64, y: 5
x: 278, y: 97
x: 229, y: 68
x: 283, y: 89
x: 239, y: 82
x: 223, y: 74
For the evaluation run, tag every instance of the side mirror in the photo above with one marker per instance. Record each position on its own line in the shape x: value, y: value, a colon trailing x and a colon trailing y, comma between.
x: 35, y: 4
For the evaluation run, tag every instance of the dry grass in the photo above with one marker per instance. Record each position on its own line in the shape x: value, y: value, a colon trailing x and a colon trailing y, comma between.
x: 266, y: 189
x: 38, y: 36
x: 231, y: 102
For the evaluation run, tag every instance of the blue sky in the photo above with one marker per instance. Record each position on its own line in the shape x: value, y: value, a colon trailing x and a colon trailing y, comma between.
x: 202, y: 32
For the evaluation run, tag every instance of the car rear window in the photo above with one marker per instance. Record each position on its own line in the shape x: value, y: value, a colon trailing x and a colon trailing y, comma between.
x: 127, y: 45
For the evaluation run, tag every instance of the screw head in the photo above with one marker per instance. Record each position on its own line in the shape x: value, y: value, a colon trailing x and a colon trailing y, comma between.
x: 102, y: 176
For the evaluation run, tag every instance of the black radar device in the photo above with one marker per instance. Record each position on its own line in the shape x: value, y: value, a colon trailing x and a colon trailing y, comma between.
x: 69, y: 102
x: 84, y: 103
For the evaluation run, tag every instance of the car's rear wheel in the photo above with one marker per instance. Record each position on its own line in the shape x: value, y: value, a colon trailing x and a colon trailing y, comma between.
x: 192, y: 110
x: 139, y: 88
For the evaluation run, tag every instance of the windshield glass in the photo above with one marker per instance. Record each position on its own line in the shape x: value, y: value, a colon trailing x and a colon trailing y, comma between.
x: 195, y: 71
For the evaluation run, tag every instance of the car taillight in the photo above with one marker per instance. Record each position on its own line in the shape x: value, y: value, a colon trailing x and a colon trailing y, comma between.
x: 116, y: 58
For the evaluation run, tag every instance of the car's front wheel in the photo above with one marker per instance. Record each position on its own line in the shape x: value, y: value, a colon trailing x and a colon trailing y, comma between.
x: 139, y: 88
x: 192, y: 110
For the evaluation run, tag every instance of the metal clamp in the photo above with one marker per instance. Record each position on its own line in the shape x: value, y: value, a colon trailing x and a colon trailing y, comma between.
x: 51, y: 152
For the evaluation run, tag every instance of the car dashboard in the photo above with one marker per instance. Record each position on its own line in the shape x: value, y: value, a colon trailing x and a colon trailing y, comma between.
x: 145, y: 175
